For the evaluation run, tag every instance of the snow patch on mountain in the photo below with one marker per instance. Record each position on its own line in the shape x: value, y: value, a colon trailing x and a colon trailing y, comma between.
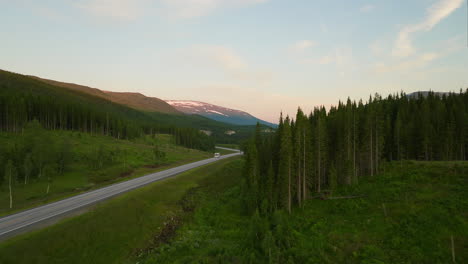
x: 216, y: 112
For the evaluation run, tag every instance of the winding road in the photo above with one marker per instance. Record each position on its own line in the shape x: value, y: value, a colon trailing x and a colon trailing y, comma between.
x: 29, y: 219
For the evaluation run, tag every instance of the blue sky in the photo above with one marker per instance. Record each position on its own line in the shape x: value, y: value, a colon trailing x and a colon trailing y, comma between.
x: 261, y: 56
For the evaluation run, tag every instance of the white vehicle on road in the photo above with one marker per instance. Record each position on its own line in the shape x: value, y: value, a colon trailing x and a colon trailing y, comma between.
x: 216, y: 155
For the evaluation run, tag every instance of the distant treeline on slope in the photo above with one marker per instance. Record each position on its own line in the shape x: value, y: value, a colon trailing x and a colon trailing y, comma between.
x: 315, y: 153
x: 23, y: 99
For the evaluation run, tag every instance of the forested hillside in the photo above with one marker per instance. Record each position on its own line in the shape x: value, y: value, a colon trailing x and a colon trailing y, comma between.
x: 133, y: 100
x: 23, y: 99
x: 317, y: 152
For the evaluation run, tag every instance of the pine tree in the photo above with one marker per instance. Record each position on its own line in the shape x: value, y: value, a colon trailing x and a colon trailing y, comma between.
x: 252, y: 174
x: 284, y: 171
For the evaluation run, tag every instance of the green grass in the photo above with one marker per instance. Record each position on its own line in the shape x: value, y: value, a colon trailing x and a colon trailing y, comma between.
x: 131, y: 159
x: 425, y: 204
x: 408, y: 216
x: 114, y: 230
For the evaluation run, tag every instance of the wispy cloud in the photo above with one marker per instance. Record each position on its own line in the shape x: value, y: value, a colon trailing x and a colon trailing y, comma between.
x: 226, y: 59
x: 367, y: 8
x: 342, y: 57
x: 445, y: 48
x: 47, y: 12
x: 324, y: 27
x: 184, y: 9
x: 407, y: 65
x: 128, y: 10
x: 379, y: 47
x: 121, y: 10
x: 434, y: 14
x: 302, y: 45
x: 326, y: 60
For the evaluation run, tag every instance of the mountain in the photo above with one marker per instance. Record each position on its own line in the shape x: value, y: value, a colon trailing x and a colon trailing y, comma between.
x: 417, y: 94
x: 217, y: 113
x: 134, y: 100
x: 68, y: 106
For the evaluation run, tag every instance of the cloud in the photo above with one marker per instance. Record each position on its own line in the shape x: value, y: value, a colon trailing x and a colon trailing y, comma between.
x: 444, y: 48
x: 341, y: 56
x: 326, y: 60
x: 226, y: 59
x: 121, y: 10
x: 324, y: 27
x: 434, y: 14
x: 378, y: 47
x: 302, y: 45
x: 407, y: 65
x: 128, y: 10
x: 185, y: 9
x: 367, y: 8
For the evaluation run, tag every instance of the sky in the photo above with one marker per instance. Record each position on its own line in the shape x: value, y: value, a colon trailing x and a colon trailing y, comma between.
x: 260, y: 56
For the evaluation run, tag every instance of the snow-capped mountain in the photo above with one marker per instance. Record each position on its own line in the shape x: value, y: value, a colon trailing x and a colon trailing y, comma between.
x: 216, y: 112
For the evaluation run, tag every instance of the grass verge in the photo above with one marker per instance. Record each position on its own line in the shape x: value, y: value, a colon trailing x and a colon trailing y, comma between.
x: 112, y: 232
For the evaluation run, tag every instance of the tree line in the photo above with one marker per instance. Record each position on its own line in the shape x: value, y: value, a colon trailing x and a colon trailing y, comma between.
x: 315, y: 153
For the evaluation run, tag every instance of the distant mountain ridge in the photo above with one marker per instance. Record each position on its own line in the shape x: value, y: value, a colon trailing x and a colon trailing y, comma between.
x: 216, y: 112
x: 134, y: 100
x: 425, y: 94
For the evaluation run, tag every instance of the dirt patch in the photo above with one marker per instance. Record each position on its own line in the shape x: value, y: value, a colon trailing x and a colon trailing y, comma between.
x: 163, y: 235
x: 125, y: 174
x: 168, y: 230
x: 152, y: 166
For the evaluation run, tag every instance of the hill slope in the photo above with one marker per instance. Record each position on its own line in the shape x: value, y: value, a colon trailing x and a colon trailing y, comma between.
x: 134, y: 100
x: 23, y: 99
x: 67, y: 106
x: 217, y: 113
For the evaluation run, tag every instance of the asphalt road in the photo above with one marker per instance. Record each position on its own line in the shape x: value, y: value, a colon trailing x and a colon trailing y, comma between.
x: 37, y: 217
x: 236, y: 150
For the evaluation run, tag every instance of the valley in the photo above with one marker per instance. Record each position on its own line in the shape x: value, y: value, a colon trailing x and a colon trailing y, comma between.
x: 233, y: 131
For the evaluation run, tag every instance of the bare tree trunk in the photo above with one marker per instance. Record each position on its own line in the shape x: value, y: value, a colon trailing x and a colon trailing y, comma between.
x: 299, y: 174
x: 107, y: 124
x: 376, y: 151
x: 371, y: 155
x: 304, y: 168
x: 453, y: 249
x: 318, y: 160
x: 299, y: 195
x: 354, y: 147
x: 289, y: 186
x: 48, y: 187
x: 348, y: 173
x: 9, y: 186
x: 398, y: 143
